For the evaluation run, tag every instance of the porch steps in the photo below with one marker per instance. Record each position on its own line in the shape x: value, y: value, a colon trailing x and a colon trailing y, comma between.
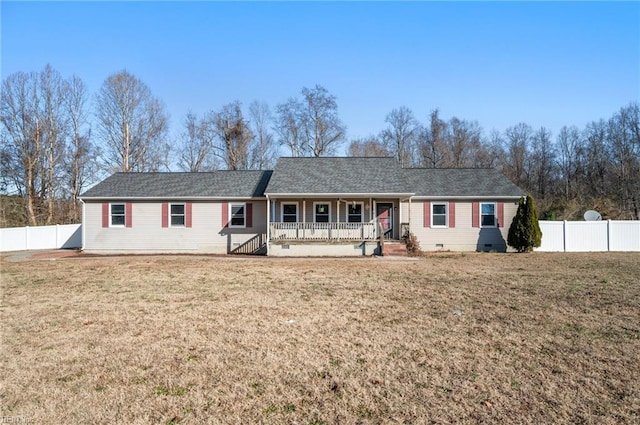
x: 397, y: 249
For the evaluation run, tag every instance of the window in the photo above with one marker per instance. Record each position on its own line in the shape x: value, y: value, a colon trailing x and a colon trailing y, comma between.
x: 238, y: 215
x: 289, y: 213
x: 321, y: 212
x: 488, y: 214
x: 177, y: 215
x: 354, y: 213
x: 439, y: 215
x: 117, y: 214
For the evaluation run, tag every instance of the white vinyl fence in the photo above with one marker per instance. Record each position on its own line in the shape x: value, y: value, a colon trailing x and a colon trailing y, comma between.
x: 41, y: 237
x: 585, y: 236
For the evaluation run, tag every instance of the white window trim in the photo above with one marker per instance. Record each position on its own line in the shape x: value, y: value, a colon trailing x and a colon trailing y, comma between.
x: 361, y: 212
x: 282, y: 204
x: 111, y: 215
x: 184, y: 205
x: 495, y: 215
x: 321, y: 203
x: 244, y: 208
x: 446, y: 215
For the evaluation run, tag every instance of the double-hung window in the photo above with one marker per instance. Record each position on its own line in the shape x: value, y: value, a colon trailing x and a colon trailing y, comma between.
x: 177, y: 215
x: 439, y: 215
x: 321, y: 212
x: 289, y: 213
x: 117, y: 215
x: 488, y: 214
x: 238, y: 215
x: 354, y: 213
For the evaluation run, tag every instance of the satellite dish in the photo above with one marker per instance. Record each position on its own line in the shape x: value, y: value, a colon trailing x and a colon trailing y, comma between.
x: 592, y: 215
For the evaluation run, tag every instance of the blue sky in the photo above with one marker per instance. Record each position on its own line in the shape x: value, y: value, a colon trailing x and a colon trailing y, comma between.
x: 500, y: 63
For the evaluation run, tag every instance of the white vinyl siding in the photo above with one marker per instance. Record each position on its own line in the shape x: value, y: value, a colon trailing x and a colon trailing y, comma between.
x: 462, y: 237
x: 148, y: 236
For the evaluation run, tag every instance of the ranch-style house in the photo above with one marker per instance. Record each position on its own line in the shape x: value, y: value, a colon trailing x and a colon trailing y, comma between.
x: 304, y: 207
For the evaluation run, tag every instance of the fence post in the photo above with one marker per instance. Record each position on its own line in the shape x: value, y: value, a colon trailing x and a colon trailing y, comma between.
x: 608, y: 235
x: 564, y: 236
x: 26, y: 237
x: 57, y: 236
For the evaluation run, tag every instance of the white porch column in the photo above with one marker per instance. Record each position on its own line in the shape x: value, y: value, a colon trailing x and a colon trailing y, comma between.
x: 268, y: 223
x: 304, y: 218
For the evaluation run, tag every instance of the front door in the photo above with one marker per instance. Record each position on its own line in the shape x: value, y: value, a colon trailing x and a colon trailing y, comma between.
x: 384, y: 212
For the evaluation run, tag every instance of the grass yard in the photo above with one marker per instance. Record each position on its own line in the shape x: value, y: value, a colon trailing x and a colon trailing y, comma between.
x: 475, y: 338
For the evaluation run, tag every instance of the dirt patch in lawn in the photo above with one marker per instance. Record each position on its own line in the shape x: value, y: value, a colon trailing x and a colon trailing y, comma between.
x: 539, y: 338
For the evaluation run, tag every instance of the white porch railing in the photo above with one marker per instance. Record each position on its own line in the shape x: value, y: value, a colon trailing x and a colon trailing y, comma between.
x: 322, y: 231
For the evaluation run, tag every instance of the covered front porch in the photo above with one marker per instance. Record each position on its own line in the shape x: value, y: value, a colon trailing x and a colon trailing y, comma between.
x: 345, y: 219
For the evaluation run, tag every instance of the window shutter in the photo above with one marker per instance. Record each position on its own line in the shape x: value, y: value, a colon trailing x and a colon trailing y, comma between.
x: 249, y: 212
x: 475, y: 214
x: 165, y: 215
x: 426, y: 212
x: 452, y: 214
x: 225, y: 214
x: 128, y: 215
x: 105, y: 215
x: 187, y: 213
x: 500, y: 216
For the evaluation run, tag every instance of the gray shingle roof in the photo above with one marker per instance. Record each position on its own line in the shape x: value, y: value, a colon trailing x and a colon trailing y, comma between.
x: 451, y: 182
x: 309, y: 176
x: 337, y: 176
x: 231, y: 184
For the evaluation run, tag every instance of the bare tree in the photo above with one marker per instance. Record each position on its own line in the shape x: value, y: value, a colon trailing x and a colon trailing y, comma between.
x: 543, y: 155
x: 369, y: 146
x: 197, y: 144
x: 132, y: 124
x: 80, y: 154
x: 569, y: 154
x: 597, y: 159
x: 322, y: 129
x: 624, y: 137
x: 53, y: 90
x: 401, y: 134
x: 516, y: 161
x: 311, y: 126
x: 464, y: 143
x: 288, y: 126
x: 262, y: 152
x: 23, y: 130
x: 233, y: 135
x: 432, y: 142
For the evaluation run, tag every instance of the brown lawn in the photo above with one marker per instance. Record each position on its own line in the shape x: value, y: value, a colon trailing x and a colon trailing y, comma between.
x: 475, y: 338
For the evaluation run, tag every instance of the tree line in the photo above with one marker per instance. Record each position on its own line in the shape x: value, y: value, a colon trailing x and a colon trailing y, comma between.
x: 57, y: 139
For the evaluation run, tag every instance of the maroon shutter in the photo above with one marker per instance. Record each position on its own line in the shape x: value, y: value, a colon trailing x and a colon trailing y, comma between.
x: 475, y: 214
x: 128, y: 214
x: 165, y: 215
x: 500, y: 214
x: 452, y: 214
x: 249, y: 213
x: 105, y: 215
x: 225, y: 214
x: 426, y: 214
x: 188, y: 214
